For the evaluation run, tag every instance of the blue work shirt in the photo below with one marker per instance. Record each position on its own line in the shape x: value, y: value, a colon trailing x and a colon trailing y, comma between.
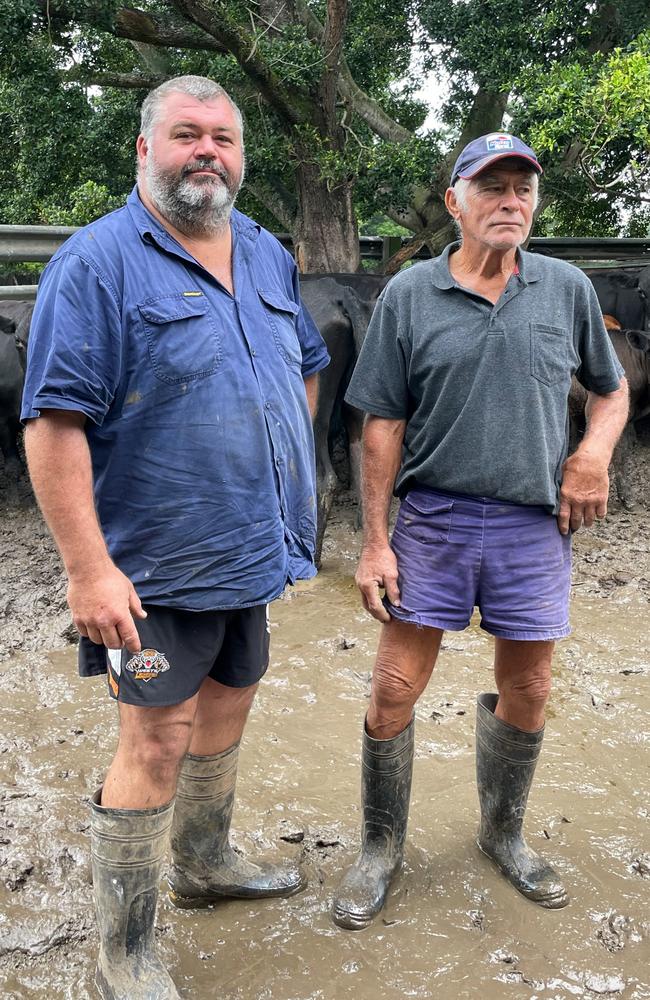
x: 198, y: 424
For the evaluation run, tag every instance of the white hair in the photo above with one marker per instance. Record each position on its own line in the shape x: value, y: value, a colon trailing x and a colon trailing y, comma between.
x: 199, y: 87
x: 462, y: 185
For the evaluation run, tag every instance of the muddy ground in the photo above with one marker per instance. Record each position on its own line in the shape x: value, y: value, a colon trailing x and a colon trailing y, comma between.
x: 452, y: 928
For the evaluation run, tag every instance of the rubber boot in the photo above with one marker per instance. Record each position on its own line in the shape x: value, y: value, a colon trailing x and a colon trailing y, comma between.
x: 127, y: 850
x: 506, y: 758
x: 386, y: 770
x: 205, y: 868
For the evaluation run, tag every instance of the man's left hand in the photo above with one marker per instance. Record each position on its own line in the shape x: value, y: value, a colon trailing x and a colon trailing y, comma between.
x: 584, y: 491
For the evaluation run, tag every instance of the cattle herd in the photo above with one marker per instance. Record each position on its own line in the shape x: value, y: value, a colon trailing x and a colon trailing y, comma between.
x: 341, y: 305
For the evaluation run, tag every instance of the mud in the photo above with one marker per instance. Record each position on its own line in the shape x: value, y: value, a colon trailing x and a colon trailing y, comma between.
x: 452, y: 928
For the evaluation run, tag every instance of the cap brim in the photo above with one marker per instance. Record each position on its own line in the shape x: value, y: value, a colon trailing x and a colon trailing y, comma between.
x: 489, y: 160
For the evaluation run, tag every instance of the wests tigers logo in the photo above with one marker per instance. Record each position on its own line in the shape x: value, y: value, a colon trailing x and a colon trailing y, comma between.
x: 147, y: 664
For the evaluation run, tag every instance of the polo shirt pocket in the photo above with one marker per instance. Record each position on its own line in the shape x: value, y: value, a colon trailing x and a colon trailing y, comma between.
x: 182, y: 338
x: 281, y: 313
x: 425, y: 517
x: 549, y: 356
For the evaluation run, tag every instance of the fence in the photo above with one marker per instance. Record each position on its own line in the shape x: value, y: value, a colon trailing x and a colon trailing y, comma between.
x: 36, y: 244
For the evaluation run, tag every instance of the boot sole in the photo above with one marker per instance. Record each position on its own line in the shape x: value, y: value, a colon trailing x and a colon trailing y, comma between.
x: 203, y: 902
x: 549, y: 902
x: 351, y: 921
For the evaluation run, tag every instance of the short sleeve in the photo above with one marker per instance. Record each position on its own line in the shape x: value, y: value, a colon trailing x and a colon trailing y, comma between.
x: 314, y: 351
x: 75, y: 342
x: 379, y: 382
x: 599, y: 370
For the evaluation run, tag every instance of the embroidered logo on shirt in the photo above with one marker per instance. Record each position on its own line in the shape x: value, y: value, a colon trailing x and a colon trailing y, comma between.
x: 192, y: 293
x: 147, y: 664
x: 498, y: 141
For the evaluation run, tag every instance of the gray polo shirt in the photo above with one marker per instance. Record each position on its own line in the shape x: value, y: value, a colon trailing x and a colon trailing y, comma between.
x: 484, y: 387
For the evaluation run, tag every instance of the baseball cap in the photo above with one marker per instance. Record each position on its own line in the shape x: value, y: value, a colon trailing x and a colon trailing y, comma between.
x: 480, y: 153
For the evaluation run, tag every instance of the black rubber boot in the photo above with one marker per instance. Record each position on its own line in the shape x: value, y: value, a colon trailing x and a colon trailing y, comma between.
x: 506, y: 758
x: 386, y: 770
x: 128, y: 847
x: 205, y: 868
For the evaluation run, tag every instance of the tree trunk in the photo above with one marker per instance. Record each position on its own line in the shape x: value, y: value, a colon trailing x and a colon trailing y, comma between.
x: 326, y: 236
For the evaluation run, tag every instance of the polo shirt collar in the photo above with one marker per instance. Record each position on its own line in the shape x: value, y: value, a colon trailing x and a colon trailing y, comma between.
x: 529, y: 269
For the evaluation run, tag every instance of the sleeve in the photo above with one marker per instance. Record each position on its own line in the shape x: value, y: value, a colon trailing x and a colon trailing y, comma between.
x: 379, y: 383
x: 315, y: 356
x: 75, y: 342
x: 599, y: 369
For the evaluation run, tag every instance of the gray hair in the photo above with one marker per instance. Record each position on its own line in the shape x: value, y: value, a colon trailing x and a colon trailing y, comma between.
x: 199, y: 87
x: 461, y: 189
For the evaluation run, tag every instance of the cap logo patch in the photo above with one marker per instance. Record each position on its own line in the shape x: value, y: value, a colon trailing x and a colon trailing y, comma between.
x: 147, y: 664
x: 498, y: 141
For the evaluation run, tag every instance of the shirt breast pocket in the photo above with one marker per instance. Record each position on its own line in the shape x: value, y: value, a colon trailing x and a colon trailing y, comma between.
x: 549, y: 355
x: 182, y: 337
x: 281, y: 313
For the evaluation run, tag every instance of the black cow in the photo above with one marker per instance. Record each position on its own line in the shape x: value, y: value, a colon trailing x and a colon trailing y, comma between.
x: 621, y: 295
x: 12, y: 374
x: 632, y: 349
x: 341, y: 306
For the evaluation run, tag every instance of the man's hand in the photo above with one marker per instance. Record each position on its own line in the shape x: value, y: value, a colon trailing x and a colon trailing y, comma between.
x: 584, y: 491
x: 377, y: 568
x: 103, y: 607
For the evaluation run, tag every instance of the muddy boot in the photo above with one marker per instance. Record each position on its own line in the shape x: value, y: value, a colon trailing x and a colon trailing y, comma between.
x: 386, y: 769
x: 505, y: 764
x: 128, y: 848
x: 205, y: 868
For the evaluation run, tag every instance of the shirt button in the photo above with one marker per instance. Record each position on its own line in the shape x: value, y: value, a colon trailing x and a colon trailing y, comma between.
x: 253, y: 352
x: 267, y: 406
x: 278, y: 461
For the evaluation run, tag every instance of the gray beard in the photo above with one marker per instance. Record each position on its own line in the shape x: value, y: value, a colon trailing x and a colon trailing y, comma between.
x: 198, y: 206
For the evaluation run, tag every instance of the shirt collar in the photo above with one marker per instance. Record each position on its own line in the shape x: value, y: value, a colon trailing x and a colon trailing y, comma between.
x: 150, y: 228
x: 529, y: 269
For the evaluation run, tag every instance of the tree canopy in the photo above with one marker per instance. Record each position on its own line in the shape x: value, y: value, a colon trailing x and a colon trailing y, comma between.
x: 329, y: 89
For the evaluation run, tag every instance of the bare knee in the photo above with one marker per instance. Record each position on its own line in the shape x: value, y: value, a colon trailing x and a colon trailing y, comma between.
x: 392, y: 699
x: 157, y: 747
x: 532, y: 689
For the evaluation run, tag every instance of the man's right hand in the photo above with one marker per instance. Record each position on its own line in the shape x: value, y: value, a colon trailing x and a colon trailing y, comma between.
x: 377, y: 568
x: 103, y: 607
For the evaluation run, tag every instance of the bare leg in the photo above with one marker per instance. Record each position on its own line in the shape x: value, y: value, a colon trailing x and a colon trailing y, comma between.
x: 522, y: 671
x: 220, y: 718
x: 152, y: 744
x: 405, y: 661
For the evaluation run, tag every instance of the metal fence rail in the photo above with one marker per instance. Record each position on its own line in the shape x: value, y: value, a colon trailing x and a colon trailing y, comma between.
x: 36, y: 244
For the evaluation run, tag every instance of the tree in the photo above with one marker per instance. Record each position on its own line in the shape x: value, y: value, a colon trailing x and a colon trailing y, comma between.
x: 329, y: 130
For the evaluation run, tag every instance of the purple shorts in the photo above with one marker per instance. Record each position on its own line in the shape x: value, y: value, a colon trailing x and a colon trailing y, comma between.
x: 455, y: 552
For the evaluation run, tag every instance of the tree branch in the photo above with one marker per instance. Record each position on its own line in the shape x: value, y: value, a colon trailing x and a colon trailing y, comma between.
x: 134, y: 25
x: 368, y: 109
x: 123, y: 81
x: 214, y: 18
x: 337, y: 13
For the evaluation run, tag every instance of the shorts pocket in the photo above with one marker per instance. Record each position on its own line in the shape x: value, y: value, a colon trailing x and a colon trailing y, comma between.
x: 281, y: 313
x: 182, y: 337
x: 549, y: 356
x: 425, y: 518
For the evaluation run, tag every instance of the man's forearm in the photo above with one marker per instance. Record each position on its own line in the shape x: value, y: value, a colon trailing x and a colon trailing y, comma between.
x: 311, y: 391
x: 606, y: 417
x: 381, y: 459
x: 61, y: 474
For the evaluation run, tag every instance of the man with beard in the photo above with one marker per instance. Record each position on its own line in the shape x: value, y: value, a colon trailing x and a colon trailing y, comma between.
x: 170, y: 377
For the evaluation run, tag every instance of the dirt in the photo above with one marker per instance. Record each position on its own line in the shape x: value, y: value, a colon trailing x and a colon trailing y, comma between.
x: 452, y: 929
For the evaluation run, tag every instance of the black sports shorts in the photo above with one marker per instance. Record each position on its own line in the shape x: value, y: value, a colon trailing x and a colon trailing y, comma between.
x: 179, y: 650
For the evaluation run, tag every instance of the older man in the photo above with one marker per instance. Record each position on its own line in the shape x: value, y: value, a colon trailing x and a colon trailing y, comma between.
x: 467, y: 421
x: 170, y: 446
